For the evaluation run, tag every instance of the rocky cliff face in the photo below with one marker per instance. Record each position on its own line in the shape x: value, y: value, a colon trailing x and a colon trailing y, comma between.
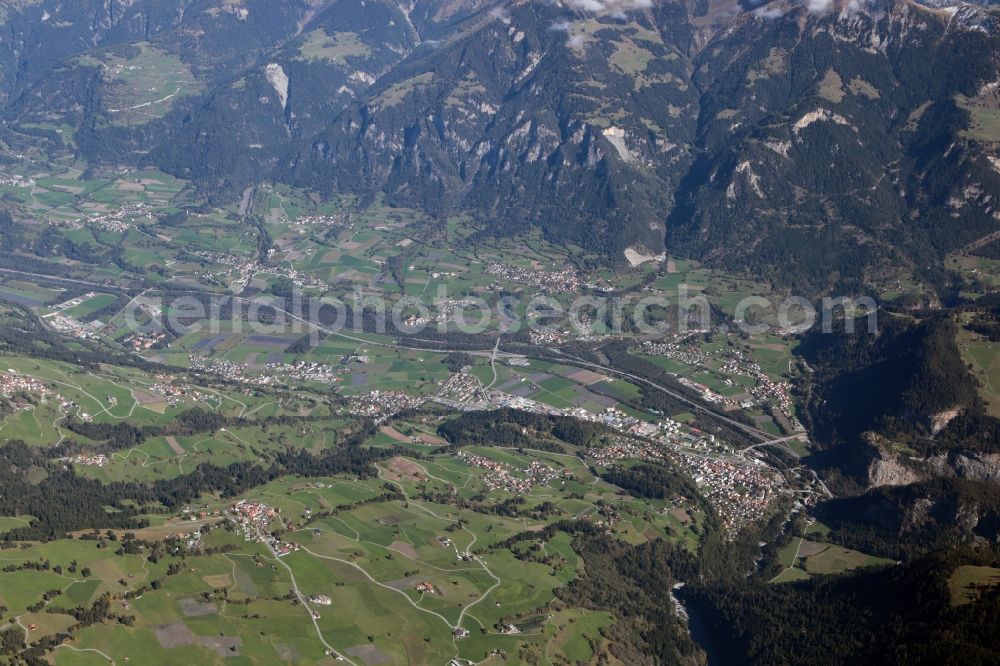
x: 825, y: 126
x: 887, y: 469
x: 812, y: 142
x: 529, y: 115
x: 974, y: 466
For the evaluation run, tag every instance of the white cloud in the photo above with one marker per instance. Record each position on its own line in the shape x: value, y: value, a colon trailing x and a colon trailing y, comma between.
x: 767, y: 10
x: 500, y: 14
x: 618, y: 7
x: 852, y: 7
x: 819, y: 7
x: 768, y: 13
x: 573, y: 40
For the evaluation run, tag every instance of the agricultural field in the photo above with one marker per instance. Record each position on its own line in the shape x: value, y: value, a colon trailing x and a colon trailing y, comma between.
x: 441, y: 548
x: 116, y: 395
x: 25, y: 293
x: 335, y: 48
x: 804, y: 558
x: 690, y: 280
x: 559, y: 386
x: 752, y: 376
x: 967, y: 582
x: 91, y: 305
x: 984, y: 358
x: 984, y: 122
x: 417, y: 541
x: 107, y: 200
x: 980, y: 269
x: 433, y: 568
x: 142, y: 84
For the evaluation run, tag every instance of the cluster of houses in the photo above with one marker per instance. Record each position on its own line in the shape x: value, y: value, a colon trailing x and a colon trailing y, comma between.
x: 90, y: 459
x: 741, y: 493
x: 678, y: 350
x: 501, y: 476
x: 604, y: 517
x: 123, y: 218
x: 544, y: 338
x: 145, y: 337
x: 270, y: 374
x: 13, y: 383
x: 765, y: 389
x: 449, y: 309
x: 610, y: 416
x: 380, y: 405
x: 13, y: 180
x: 248, y: 267
x: 232, y: 370
x: 118, y: 220
x: 627, y: 448
x: 561, y: 280
x: 176, y: 391
x: 303, y: 371
x: 255, y: 519
x: 733, y: 362
x: 317, y: 220
x: 141, y: 341
x: 461, y: 388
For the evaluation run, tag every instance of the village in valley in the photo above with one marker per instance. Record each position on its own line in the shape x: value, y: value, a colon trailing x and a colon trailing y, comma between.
x: 572, y: 333
x: 452, y: 532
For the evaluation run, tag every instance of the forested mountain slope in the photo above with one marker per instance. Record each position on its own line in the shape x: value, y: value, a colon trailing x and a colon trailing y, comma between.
x: 818, y: 144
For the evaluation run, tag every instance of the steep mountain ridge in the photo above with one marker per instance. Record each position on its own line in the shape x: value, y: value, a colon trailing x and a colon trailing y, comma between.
x: 818, y: 144
x: 512, y: 122
x: 287, y: 95
x: 828, y: 140
x: 38, y: 34
x: 902, y: 436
